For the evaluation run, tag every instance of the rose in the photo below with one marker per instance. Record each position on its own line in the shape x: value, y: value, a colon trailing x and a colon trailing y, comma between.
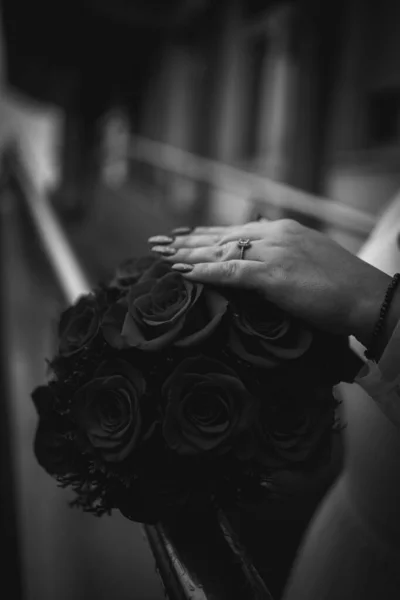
x: 131, y: 270
x: 163, y: 309
x: 107, y: 411
x: 78, y: 325
x: 263, y: 335
x: 53, y: 447
x: 208, y: 409
x: 44, y: 400
x: 292, y: 433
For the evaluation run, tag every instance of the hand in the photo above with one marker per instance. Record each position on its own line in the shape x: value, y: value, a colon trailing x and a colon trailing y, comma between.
x: 299, y: 269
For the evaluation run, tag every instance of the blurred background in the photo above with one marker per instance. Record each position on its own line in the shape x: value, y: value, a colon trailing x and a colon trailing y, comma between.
x: 128, y: 118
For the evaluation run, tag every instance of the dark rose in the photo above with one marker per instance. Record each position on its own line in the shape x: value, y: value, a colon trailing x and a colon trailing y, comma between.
x: 53, y: 447
x: 107, y: 411
x: 131, y: 270
x: 208, y: 409
x: 43, y: 400
x: 293, y: 433
x: 78, y: 325
x: 163, y: 309
x: 264, y: 335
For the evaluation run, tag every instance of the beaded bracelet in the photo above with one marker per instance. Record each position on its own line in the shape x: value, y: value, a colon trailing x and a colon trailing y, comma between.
x: 370, y: 353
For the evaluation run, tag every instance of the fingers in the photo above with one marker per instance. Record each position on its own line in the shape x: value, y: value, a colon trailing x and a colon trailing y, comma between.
x: 212, y: 236
x: 196, y: 241
x: 213, y: 230
x: 223, y: 230
x: 234, y: 273
x: 220, y: 253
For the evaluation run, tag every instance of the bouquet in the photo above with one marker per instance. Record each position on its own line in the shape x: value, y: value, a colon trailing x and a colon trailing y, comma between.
x: 165, y: 395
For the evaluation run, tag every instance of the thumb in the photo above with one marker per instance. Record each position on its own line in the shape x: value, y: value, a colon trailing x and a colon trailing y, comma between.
x: 232, y: 273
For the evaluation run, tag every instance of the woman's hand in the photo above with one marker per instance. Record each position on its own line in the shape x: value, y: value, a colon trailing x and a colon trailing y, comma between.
x: 299, y: 269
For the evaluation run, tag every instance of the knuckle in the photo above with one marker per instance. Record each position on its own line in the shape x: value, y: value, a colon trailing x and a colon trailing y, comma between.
x: 217, y: 240
x: 225, y: 251
x: 181, y: 255
x: 230, y: 270
x: 179, y: 242
x: 289, y: 226
x: 219, y: 253
x: 221, y: 241
x: 282, y: 266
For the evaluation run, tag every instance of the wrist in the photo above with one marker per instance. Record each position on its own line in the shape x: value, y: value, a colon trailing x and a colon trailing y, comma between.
x: 367, y: 311
x: 391, y: 320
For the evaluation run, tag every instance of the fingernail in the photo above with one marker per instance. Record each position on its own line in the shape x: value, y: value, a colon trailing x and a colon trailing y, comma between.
x: 163, y: 250
x: 160, y: 239
x: 182, y: 230
x: 182, y: 268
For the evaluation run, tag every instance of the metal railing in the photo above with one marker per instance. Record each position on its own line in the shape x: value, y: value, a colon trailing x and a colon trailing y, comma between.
x: 177, y: 579
x: 244, y: 183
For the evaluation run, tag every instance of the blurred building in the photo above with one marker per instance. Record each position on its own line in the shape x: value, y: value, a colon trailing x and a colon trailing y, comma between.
x: 295, y: 91
x: 301, y: 92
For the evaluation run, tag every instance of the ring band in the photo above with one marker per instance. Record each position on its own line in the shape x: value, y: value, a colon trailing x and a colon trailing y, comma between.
x: 243, y: 244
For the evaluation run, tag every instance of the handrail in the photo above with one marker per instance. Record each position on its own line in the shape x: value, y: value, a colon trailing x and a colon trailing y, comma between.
x: 239, y: 181
x: 71, y: 278
x: 177, y: 580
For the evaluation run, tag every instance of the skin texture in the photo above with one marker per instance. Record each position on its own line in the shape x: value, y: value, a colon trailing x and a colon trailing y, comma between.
x: 301, y: 270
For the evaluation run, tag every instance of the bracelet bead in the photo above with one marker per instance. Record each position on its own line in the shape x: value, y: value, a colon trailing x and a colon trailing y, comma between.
x: 370, y: 354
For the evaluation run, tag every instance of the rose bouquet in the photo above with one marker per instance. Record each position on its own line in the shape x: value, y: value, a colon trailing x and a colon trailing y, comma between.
x: 165, y: 395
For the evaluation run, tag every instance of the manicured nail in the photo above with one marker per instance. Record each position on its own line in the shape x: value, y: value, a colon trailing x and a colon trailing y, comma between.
x: 165, y: 251
x: 182, y: 230
x: 182, y: 268
x: 160, y: 239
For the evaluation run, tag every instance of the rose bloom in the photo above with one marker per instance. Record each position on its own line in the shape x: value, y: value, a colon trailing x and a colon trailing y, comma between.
x: 52, y: 448
x: 107, y: 411
x: 208, y: 409
x: 78, y: 325
x: 263, y: 335
x: 131, y: 270
x: 292, y: 433
x: 163, y: 309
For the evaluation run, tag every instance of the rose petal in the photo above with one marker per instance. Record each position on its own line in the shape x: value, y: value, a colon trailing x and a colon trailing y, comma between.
x: 112, y: 435
x: 130, y: 270
x: 134, y: 337
x: 298, y: 343
x: 188, y: 435
x: 156, y: 271
x: 217, y: 306
x: 112, y: 324
x: 236, y: 346
x: 119, y: 368
x: 141, y: 288
x: 78, y: 325
x: 276, y: 329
